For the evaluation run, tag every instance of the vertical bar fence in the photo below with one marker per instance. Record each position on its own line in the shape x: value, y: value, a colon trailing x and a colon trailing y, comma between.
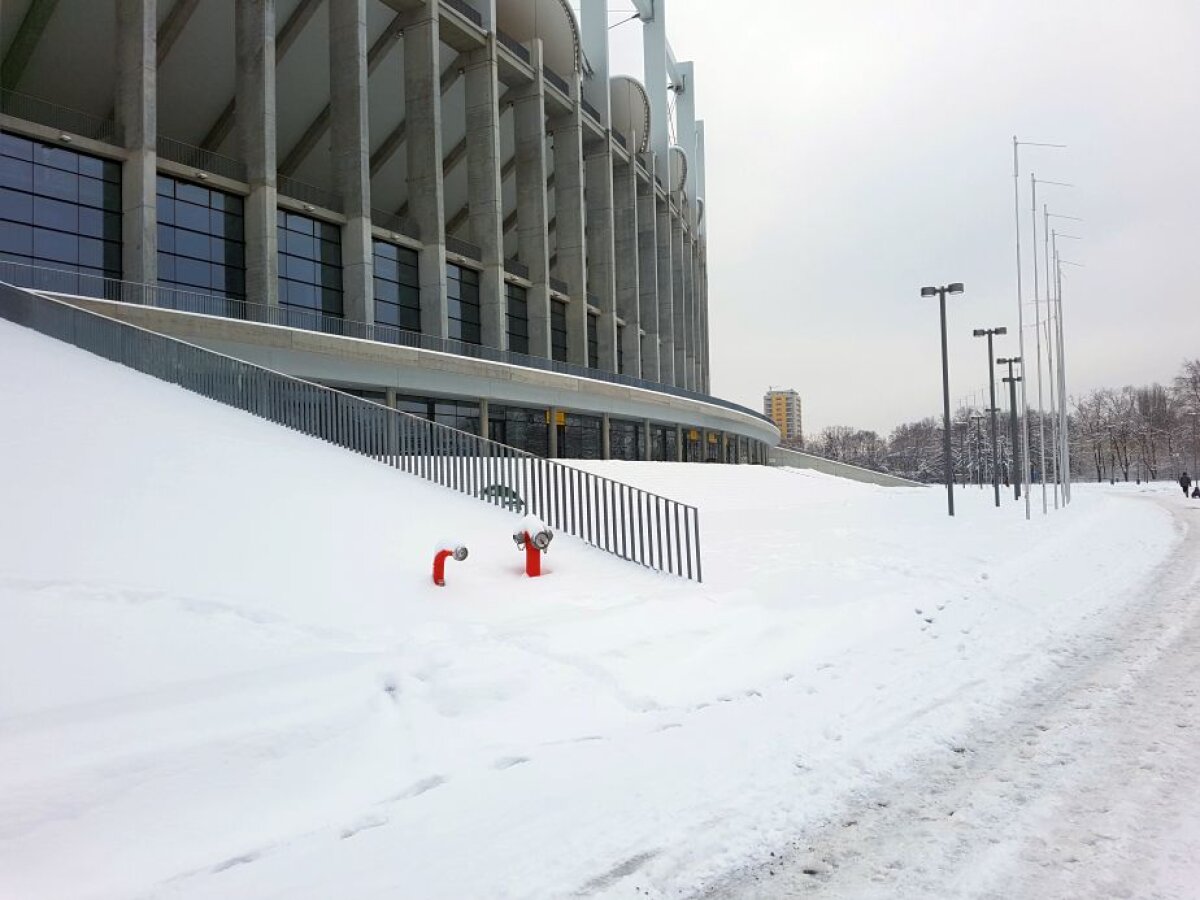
x: 653, y: 531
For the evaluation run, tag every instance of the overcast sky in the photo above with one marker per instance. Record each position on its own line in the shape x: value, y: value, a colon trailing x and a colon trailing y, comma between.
x: 859, y: 150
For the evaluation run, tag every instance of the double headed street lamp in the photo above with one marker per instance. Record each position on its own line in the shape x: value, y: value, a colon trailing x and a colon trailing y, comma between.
x: 940, y: 293
x: 990, y: 333
x: 1011, y: 381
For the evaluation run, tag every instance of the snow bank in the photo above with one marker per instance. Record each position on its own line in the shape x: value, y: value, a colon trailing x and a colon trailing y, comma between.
x: 224, y: 669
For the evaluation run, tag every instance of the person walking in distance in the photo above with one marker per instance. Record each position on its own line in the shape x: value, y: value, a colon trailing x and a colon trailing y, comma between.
x: 1185, y: 483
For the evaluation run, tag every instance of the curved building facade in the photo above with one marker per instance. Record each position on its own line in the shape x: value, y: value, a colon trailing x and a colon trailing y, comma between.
x: 447, y: 205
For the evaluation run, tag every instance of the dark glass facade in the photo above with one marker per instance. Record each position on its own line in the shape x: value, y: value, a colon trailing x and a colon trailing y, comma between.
x: 519, y: 427
x: 456, y: 414
x: 310, y: 266
x: 518, y: 319
x: 625, y: 439
x: 397, y: 286
x: 59, y: 208
x: 462, y: 304
x: 580, y: 437
x: 620, y: 349
x: 558, y: 330
x: 201, y: 239
x: 593, y: 342
x: 663, y: 445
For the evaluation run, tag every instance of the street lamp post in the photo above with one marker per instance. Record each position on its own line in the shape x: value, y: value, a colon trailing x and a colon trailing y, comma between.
x: 1034, y: 181
x: 1024, y: 471
x: 1011, y: 381
x: 941, y: 292
x: 1064, y: 419
x: 990, y: 333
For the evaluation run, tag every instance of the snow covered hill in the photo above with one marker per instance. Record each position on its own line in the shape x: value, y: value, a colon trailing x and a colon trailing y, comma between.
x: 224, y: 671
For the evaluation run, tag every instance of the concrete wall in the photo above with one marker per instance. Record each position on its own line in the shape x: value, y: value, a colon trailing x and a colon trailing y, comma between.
x: 797, y: 460
x: 349, y: 362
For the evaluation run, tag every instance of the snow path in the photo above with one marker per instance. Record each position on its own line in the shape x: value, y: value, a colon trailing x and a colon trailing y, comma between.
x: 1088, y: 785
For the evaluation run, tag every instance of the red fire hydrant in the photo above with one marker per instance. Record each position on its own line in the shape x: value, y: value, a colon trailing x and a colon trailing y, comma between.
x: 534, y: 537
x: 458, y: 551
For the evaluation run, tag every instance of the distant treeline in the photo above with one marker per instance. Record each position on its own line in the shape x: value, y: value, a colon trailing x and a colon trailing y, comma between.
x: 1116, y: 434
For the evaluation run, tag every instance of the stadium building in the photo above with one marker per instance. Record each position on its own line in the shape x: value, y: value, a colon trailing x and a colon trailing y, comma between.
x: 449, y: 206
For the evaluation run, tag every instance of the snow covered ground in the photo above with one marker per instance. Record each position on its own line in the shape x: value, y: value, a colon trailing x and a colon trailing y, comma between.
x: 224, y: 671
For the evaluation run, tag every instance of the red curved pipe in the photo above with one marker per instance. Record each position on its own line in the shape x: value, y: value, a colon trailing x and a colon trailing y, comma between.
x: 533, y: 558
x: 439, y: 567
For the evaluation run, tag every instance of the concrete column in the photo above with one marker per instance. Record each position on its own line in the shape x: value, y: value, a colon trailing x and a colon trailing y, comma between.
x: 350, y: 151
x: 705, y: 342
x: 529, y: 130
x: 647, y: 451
x: 679, y: 303
x: 136, y: 112
x: 647, y: 260
x: 666, y: 310
x: 605, y: 437
x: 680, y: 449
x: 601, y: 275
x: 255, y: 119
x: 625, y: 245
x: 689, y: 291
x: 552, y: 440
x: 724, y: 446
x: 594, y: 25
x: 569, y: 227
x: 423, y: 127
x: 485, y: 203
x: 390, y: 397
x: 483, y: 418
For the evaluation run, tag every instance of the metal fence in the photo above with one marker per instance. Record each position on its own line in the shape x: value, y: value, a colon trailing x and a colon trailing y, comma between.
x: 72, y: 121
x: 60, y: 281
x: 308, y: 193
x: 199, y: 158
x: 630, y: 523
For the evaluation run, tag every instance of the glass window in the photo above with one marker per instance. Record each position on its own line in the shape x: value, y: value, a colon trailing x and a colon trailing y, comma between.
x: 518, y: 319
x: 593, y: 342
x: 558, y: 330
x: 662, y: 443
x: 462, y: 297
x: 52, y: 196
x: 580, y: 437
x: 397, y: 287
x: 625, y: 439
x: 310, y: 266
x: 520, y: 427
x: 197, y: 250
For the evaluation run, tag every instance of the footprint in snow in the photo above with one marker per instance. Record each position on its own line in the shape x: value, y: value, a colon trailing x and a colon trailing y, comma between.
x: 507, y: 762
x: 417, y: 788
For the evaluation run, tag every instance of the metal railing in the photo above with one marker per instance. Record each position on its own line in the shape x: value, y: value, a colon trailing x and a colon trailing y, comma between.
x: 591, y: 111
x: 393, y: 222
x: 71, y: 121
x: 68, y: 283
x: 464, y: 248
x: 557, y: 284
x: 557, y: 80
x: 516, y: 267
x: 307, y: 193
x: 630, y: 523
x: 200, y: 159
x: 465, y: 9
x: 515, y: 47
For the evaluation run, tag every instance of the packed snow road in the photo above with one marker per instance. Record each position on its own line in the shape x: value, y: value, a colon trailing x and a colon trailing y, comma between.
x: 1085, y: 786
